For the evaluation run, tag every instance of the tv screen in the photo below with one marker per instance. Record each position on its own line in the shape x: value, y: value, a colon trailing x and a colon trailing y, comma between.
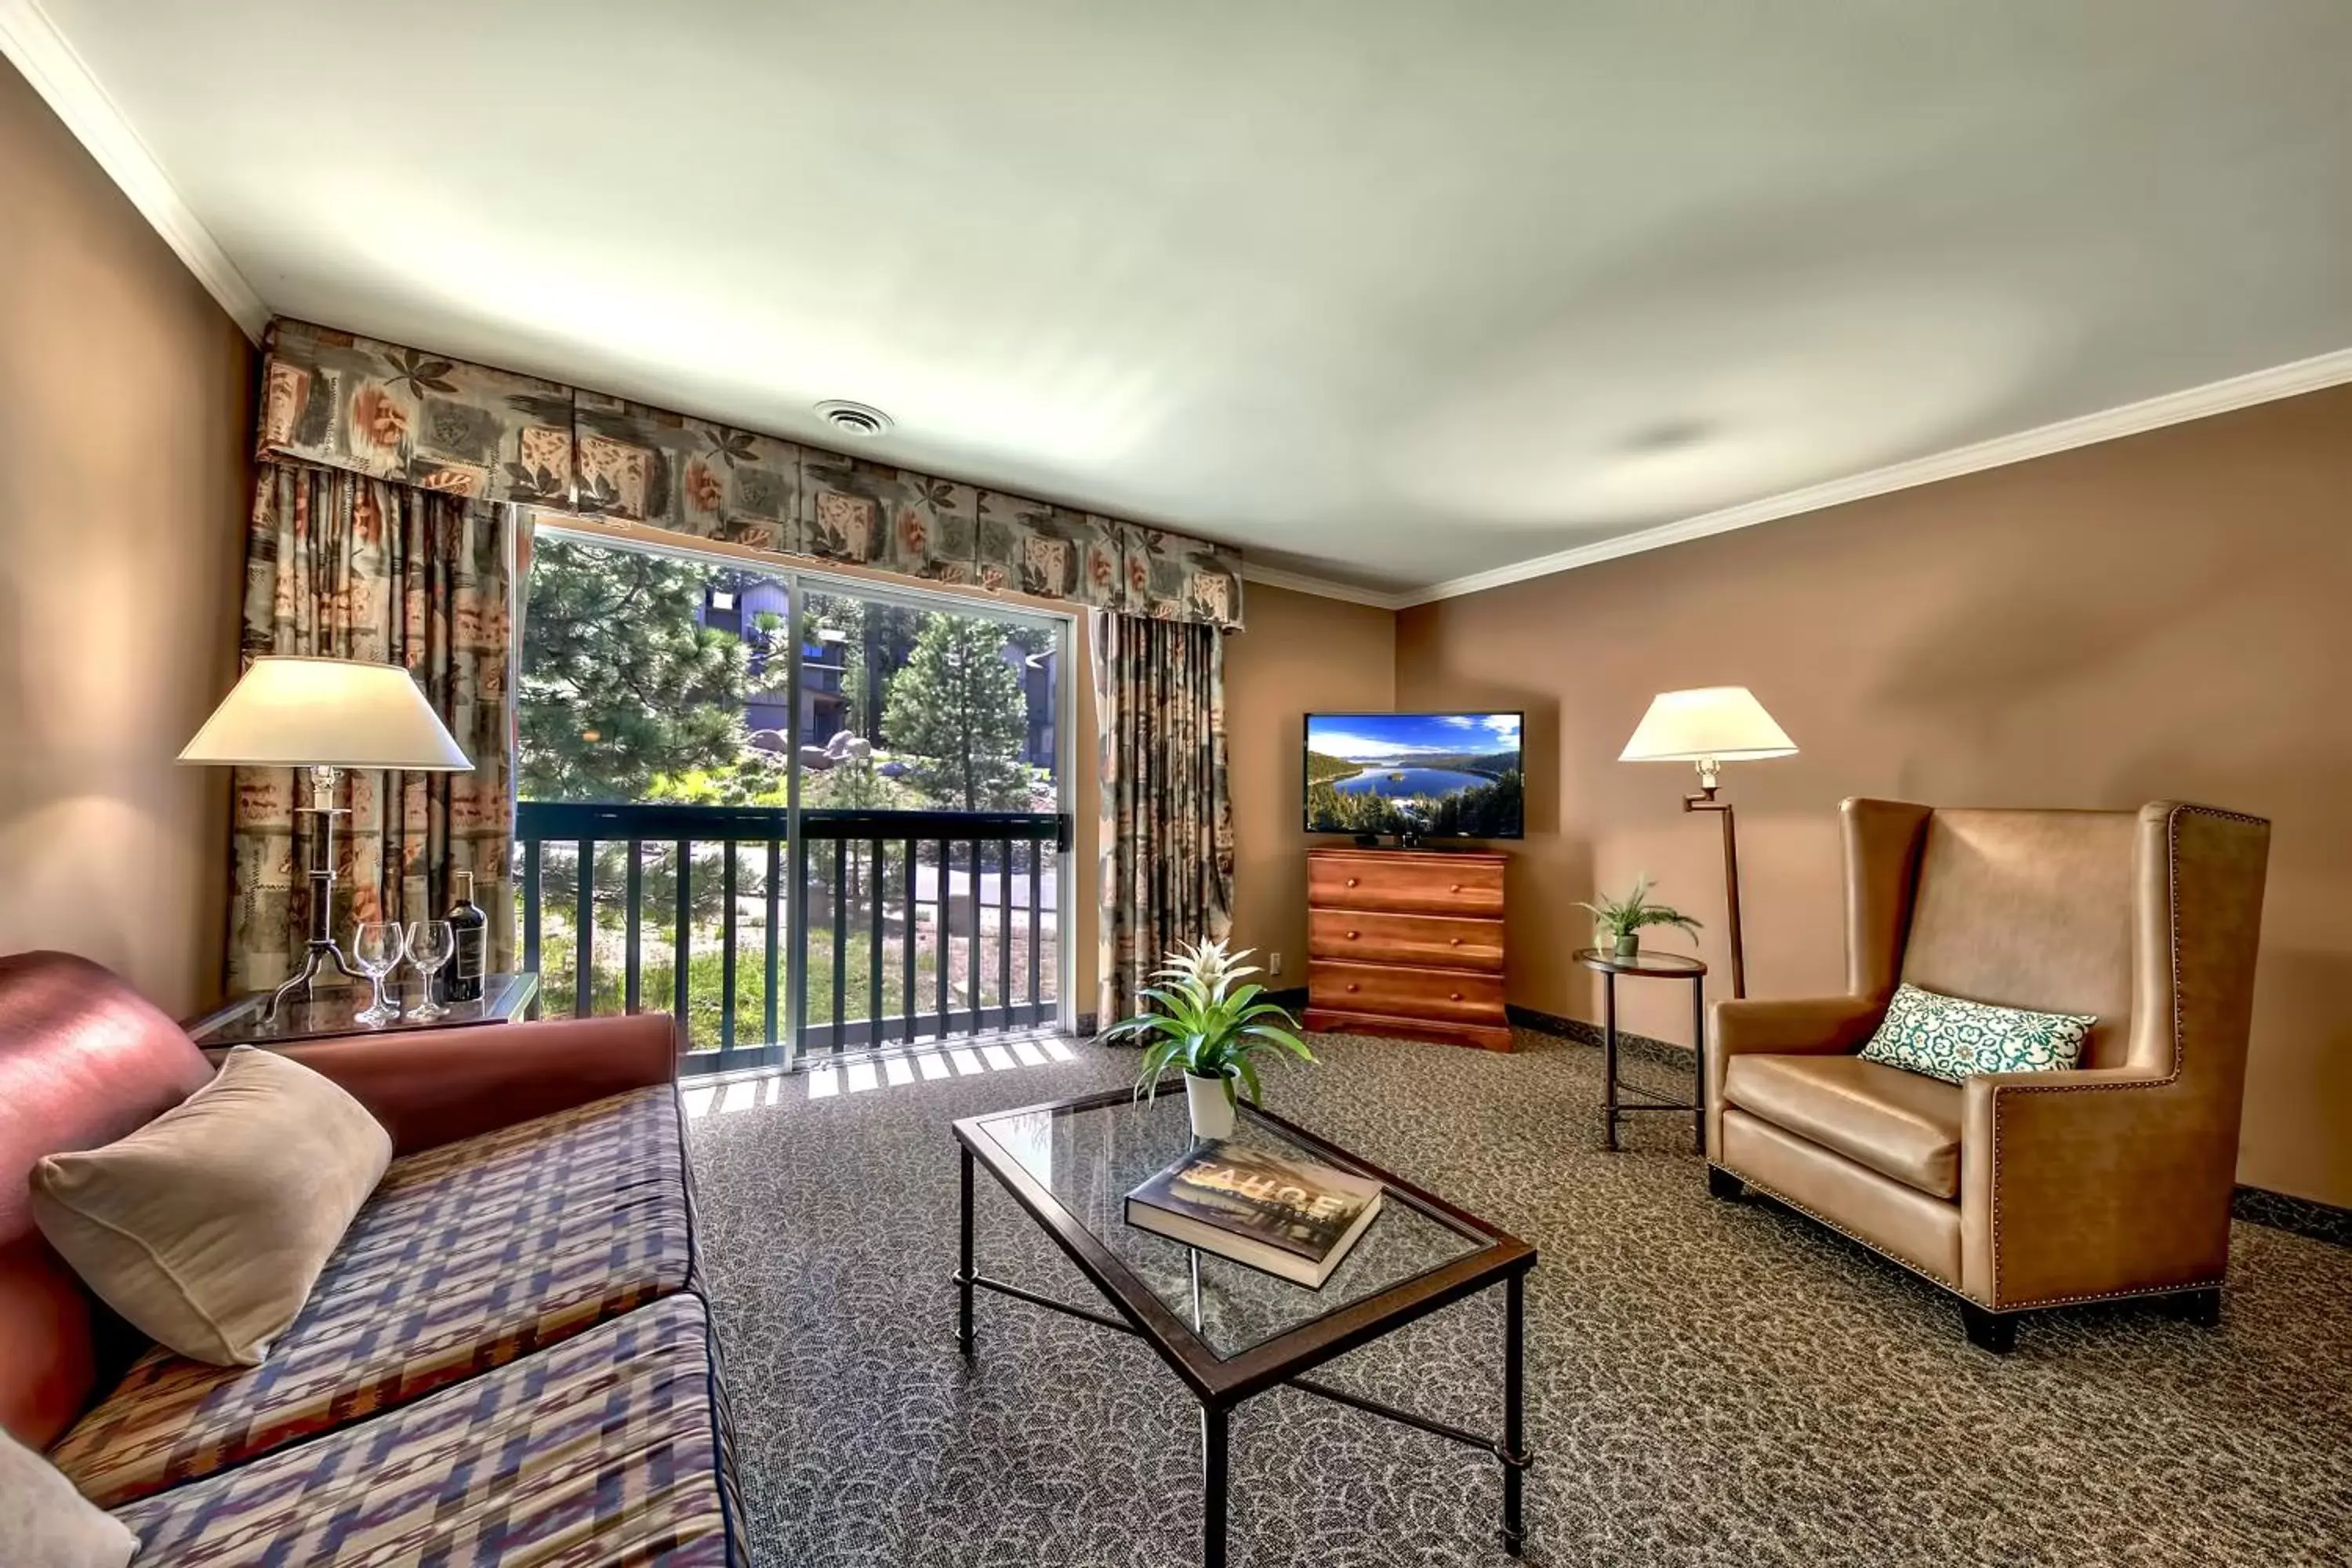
x: 1437, y: 775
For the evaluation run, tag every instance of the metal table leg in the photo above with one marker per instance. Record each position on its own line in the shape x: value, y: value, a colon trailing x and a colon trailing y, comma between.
x: 1698, y: 1062
x: 1212, y: 1487
x: 1609, y: 1055
x: 964, y: 1273
x: 1515, y: 1311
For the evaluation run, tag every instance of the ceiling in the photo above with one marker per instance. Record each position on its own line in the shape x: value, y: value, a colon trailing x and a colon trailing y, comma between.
x: 1390, y: 293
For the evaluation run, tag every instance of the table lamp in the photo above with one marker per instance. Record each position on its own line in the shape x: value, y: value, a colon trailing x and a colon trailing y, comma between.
x: 1711, y: 725
x: 324, y: 715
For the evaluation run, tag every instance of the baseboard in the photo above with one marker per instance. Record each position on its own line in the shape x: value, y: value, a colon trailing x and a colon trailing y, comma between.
x: 1291, y: 998
x: 1082, y: 1026
x: 2303, y: 1216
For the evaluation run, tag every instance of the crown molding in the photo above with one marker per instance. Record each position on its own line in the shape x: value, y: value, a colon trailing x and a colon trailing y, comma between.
x: 1321, y: 587
x: 2311, y: 374
x: 59, y: 75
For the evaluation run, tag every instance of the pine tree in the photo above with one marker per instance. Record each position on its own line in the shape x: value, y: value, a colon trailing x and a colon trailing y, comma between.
x: 958, y: 713
x: 619, y: 683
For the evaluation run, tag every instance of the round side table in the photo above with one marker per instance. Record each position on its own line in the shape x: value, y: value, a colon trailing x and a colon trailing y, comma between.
x: 1656, y: 966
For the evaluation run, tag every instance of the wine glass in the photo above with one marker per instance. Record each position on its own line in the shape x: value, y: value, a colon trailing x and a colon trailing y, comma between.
x: 376, y: 947
x: 430, y: 945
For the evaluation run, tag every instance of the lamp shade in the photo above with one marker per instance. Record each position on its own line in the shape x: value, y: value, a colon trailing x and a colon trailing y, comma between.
x: 1717, y: 723
x: 294, y: 713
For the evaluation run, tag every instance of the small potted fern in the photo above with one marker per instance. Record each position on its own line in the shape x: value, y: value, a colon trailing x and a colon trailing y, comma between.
x: 1208, y: 1020
x: 1617, y: 922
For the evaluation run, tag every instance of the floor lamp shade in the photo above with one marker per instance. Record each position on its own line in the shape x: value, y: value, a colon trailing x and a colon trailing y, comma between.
x: 295, y: 712
x: 1708, y: 725
x: 1718, y: 723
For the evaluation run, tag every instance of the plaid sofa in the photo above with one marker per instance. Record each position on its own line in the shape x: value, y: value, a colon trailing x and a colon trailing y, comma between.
x: 507, y: 1359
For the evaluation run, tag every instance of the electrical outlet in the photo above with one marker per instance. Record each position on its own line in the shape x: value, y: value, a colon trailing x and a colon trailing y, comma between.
x: 1273, y: 965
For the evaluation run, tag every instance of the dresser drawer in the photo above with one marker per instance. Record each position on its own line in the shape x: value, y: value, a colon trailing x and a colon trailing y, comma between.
x: 1404, y: 992
x: 1433, y: 941
x: 1416, y: 884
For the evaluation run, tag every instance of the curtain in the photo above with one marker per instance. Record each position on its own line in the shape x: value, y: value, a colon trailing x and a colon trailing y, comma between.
x: 349, y: 566
x: 1166, y: 840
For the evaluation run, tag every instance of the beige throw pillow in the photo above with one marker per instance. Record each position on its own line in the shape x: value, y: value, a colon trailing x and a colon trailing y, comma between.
x: 45, y: 1523
x: 208, y: 1226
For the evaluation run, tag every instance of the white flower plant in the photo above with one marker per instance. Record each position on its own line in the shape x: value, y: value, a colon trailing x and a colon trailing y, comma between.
x: 1209, y: 1021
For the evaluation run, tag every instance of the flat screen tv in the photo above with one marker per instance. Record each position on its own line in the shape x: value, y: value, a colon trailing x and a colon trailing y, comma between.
x: 1416, y: 776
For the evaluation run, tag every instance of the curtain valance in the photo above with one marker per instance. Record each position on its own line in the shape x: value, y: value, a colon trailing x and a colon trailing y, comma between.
x: 346, y: 401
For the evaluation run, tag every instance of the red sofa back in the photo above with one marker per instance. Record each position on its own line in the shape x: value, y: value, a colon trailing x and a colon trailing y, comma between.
x: 84, y: 1060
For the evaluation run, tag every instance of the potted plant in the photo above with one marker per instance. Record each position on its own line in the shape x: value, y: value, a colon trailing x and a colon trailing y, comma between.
x: 1209, y: 1021
x: 1617, y: 922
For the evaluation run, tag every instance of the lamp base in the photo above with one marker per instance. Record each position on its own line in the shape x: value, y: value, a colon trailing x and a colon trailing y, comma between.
x: 316, y: 955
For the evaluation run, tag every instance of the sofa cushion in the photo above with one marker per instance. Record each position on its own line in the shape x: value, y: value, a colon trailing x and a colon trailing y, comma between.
x: 471, y: 1255
x: 1901, y: 1124
x: 612, y: 1447
x: 45, y: 1523
x: 206, y: 1227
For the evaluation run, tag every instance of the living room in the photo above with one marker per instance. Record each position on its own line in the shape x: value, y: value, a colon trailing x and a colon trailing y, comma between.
x: 1710, y: 557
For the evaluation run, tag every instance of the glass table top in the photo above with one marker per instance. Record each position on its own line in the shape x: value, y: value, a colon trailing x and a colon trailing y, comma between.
x: 1088, y: 1158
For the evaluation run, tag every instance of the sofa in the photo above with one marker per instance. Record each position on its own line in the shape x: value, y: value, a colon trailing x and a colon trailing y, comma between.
x: 509, y: 1357
x: 2017, y: 1191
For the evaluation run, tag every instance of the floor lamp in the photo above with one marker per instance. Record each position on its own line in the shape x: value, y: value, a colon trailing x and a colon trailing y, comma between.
x: 1711, y: 725
x: 322, y: 716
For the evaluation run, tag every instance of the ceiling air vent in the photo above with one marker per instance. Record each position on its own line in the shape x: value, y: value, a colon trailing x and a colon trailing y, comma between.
x: 854, y: 419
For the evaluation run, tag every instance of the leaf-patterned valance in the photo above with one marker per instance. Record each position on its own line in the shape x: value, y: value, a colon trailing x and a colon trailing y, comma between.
x: 347, y: 401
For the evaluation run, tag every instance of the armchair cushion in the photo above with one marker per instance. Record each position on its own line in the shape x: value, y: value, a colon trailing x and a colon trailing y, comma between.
x: 1903, y: 1125
x: 471, y: 1255
x: 1953, y: 1039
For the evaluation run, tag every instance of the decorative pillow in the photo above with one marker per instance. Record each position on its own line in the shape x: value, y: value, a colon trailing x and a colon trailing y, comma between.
x: 45, y: 1523
x: 1946, y: 1037
x: 207, y: 1227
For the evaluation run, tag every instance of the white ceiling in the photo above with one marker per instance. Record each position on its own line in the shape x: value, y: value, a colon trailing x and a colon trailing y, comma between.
x: 1387, y: 292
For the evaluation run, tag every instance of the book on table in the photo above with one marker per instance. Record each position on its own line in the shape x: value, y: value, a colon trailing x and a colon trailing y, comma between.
x: 1282, y: 1214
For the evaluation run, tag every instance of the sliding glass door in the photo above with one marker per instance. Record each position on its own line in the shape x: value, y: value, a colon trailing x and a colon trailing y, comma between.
x: 808, y: 813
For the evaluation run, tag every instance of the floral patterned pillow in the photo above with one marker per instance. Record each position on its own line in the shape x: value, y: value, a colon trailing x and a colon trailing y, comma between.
x: 1946, y: 1037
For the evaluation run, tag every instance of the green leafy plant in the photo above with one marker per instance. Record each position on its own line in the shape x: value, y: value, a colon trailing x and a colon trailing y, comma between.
x: 1209, y: 1021
x: 1617, y: 918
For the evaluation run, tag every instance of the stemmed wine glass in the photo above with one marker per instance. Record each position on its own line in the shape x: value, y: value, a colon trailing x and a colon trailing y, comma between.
x: 376, y: 947
x: 430, y: 944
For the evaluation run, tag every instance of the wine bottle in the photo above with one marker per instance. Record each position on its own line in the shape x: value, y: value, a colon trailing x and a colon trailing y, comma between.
x: 472, y: 929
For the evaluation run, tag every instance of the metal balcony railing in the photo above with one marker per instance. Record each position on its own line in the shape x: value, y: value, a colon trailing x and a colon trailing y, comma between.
x: 908, y: 926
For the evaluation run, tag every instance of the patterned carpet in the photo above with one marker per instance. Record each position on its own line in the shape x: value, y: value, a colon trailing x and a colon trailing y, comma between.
x: 1708, y: 1383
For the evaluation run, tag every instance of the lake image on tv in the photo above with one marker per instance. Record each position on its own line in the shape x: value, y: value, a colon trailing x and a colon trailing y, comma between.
x: 1436, y: 775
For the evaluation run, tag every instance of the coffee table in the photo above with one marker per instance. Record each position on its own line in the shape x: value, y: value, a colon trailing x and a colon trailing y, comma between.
x: 1230, y: 1332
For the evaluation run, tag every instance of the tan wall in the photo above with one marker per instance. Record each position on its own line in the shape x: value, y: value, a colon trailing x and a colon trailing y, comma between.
x: 124, y: 412
x: 1299, y: 654
x: 2167, y: 616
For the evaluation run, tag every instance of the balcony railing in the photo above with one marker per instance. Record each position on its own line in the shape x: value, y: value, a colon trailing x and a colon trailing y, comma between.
x: 891, y: 923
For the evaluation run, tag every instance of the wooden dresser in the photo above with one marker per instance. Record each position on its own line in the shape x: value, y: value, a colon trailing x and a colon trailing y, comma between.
x: 1407, y: 942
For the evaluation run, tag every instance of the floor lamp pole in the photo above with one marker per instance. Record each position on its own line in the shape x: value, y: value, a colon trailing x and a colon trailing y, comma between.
x: 1704, y: 801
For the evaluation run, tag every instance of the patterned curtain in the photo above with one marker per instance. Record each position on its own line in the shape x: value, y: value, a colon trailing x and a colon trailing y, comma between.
x: 350, y: 566
x: 1167, y: 841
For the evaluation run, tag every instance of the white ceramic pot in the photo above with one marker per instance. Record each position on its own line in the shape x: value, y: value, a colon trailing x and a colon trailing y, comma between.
x: 1212, y: 1110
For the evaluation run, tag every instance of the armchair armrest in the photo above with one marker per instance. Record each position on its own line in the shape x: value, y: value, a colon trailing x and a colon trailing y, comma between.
x: 436, y: 1086
x: 1803, y: 1025
x: 1800, y: 1026
x: 2090, y: 1183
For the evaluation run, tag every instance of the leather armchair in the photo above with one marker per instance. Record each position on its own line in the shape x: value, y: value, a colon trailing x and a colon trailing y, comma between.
x: 2017, y: 1191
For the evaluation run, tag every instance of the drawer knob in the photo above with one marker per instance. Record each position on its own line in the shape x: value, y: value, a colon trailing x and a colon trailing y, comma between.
x: 1351, y: 882
x: 1454, y: 889
x: 1454, y: 942
x: 1456, y: 997
x: 1351, y: 985
x: 1351, y: 936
